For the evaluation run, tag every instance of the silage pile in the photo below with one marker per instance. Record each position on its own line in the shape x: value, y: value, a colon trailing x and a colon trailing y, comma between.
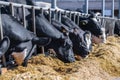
x: 102, y: 64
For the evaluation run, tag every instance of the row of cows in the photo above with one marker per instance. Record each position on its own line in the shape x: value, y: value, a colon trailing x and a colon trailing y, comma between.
x: 65, y: 37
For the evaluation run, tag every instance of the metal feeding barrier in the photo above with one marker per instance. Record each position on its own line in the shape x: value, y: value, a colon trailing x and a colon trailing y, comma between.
x: 53, y: 13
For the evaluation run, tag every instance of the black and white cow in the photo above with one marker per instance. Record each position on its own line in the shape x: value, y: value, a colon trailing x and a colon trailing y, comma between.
x: 81, y: 39
x: 91, y: 24
x: 20, y: 38
x: 60, y: 42
x: 64, y: 46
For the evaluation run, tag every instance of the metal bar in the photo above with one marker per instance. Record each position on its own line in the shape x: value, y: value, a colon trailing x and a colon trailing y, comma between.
x: 74, y: 16
x: 33, y: 20
x: 41, y: 11
x: 54, y: 4
x: 64, y: 12
x: 113, y: 8
x: 23, y: 13
x: 86, y: 6
x: 119, y: 9
x: 49, y: 10
x: 36, y: 7
x: 34, y: 26
x: 103, y: 8
x: 42, y: 48
x: 78, y: 19
x: 59, y: 18
x: 54, y: 15
x: 70, y: 15
x: 20, y: 5
x: 1, y: 37
x: 12, y: 9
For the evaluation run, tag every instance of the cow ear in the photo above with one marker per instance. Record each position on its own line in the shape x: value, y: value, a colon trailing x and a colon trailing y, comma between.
x: 83, y: 22
x: 63, y: 29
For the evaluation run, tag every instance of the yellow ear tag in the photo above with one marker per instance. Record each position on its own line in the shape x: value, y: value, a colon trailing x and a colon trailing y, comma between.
x: 83, y: 23
x: 63, y: 30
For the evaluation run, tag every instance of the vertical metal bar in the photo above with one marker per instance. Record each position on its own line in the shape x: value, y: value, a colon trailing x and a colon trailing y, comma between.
x: 1, y: 37
x: 49, y: 15
x: 23, y: 13
x: 34, y: 25
x: 64, y: 13
x: 70, y: 15
x: 103, y: 8
x: 119, y: 9
x: 86, y: 6
x: 74, y: 17
x: 78, y: 19
x: 41, y: 11
x: 42, y: 48
x: 54, y: 14
x: 33, y: 19
x: 59, y: 16
x: 53, y: 6
x: 113, y: 8
x: 12, y: 9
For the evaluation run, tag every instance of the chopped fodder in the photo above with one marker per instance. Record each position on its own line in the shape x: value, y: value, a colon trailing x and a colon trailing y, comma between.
x: 102, y: 64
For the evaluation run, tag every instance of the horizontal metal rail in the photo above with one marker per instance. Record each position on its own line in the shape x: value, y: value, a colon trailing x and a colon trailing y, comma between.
x: 37, y: 7
x: 57, y: 9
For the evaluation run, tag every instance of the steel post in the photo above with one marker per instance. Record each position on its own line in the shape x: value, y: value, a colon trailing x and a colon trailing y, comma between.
x: 103, y: 8
x: 86, y: 6
x: 113, y: 8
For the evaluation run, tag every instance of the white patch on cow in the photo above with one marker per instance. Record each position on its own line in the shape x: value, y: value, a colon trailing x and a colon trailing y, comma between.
x: 95, y: 19
x: 88, y: 40
x: 103, y: 37
x: 24, y: 53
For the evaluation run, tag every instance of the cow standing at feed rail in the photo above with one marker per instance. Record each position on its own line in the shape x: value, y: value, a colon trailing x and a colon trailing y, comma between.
x: 60, y: 42
x: 21, y: 39
x: 63, y: 44
x: 81, y: 39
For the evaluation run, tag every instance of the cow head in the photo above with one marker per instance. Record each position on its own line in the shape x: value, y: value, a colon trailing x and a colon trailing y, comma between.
x: 81, y: 42
x: 81, y: 39
x: 91, y: 25
x: 66, y: 51
x: 4, y: 45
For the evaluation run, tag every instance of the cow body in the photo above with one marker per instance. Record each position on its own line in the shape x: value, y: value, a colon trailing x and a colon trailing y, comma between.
x: 61, y: 43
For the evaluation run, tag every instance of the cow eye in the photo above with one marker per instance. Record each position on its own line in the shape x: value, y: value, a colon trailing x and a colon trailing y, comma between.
x: 64, y: 30
x: 84, y: 22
